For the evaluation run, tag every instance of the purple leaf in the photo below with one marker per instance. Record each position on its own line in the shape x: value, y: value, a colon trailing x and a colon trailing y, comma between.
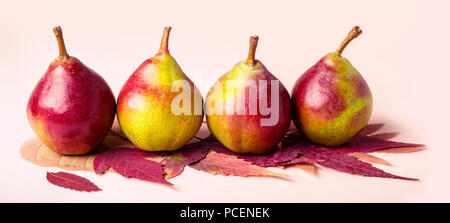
x: 71, y: 181
x: 175, y: 162
x: 371, y: 128
x: 367, y: 144
x: 279, y: 157
x: 342, y: 162
x: 194, y: 152
x: 131, y: 163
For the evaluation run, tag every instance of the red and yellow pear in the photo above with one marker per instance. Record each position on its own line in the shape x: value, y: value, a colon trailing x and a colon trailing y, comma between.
x: 331, y: 100
x: 145, y: 107
x: 237, y: 107
x: 72, y: 108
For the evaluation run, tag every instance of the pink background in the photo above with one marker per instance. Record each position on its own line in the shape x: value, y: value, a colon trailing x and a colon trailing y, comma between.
x: 403, y: 54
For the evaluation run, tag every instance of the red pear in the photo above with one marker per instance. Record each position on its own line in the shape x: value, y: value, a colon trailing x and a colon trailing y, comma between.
x: 331, y: 100
x: 72, y: 108
x: 248, y: 109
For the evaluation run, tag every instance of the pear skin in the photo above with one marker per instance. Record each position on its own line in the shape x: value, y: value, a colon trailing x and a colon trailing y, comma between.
x: 144, y: 106
x: 243, y: 131
x: 331, y: 101
x: 72, y: 108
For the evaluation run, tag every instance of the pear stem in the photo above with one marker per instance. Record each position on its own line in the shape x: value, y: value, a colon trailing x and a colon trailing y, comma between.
x: 251, y: 52
x: 165, y: 40
x: 62, y: 46
x: 355, y: 32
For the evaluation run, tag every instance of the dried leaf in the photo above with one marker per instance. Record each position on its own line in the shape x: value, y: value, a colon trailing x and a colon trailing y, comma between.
x: 308, y: 167
x: 173, y: 165
x: 385, y: 136
x: 342, y: 162
x: 300, y: 159
x: 175, y: 162
x: 371, y: 128
x: 367, y: 144
x: 403, y: 150
x: 35, y: 152
x: 369, y: 158
x: 279, y: 157
x: 114, y: 140
x: 219, y: 163
x: 71, y: 181
x: 130, y: 163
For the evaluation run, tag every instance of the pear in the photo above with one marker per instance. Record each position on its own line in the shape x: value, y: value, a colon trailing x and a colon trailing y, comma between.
x: 236, y: 107
x: 72, y: 108
x: 148, y: 106
x: 331, y: 100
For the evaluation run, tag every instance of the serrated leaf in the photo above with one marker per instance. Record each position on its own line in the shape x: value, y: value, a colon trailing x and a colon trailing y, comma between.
x: 344, y: 163
x: 403, y: 149
x: 36, y: 152
x: 279, y: 157
x: 223, y: 164
x: 308, y: 167
x: 173, y: 165
x: 371, y: 128
x: 131, y: 163
x: 385, y: 135
x: 71, y: 181
x: 370, y: 158
x: 368, y: 144
x: 175, y: 162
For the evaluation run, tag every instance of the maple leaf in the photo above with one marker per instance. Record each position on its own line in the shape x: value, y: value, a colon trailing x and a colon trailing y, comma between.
x: 71, y: 181
x: 176, y: 161
x: 134, y: 163
x: 371, y: 128
x: 346, y: 163
x: 339, y: 160
x: 277, y: 158
x: 307, y: 167
x: 131, y: 163
x: 348, y: 158
x: 367, y: 144
x: 223, y: 164
x: 369, y: 158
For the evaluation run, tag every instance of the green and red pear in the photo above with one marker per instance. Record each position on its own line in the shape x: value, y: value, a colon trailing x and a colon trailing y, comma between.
x: 331, y: 101
x: 145, y: 106
x: 72, y: 108
x: 249, y: 127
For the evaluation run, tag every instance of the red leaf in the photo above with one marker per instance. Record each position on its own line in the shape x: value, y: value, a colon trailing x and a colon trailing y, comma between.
x: 386, y: 135
x: 367, y: 144
x: 194, y: 152
x: 371, y: 128
x: 343, y: 162
x: 71, y: 181
x: 297, y: 149
x: 308, y: 167
x: 175, y: 162
x: 369, y: 158
x: 300, y: 159
x: 131, y: 163
x: 279, y: 157
x: 286, y: 155
x: 218, y: 163
x: 403, y: 150
x: 173, y: 165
